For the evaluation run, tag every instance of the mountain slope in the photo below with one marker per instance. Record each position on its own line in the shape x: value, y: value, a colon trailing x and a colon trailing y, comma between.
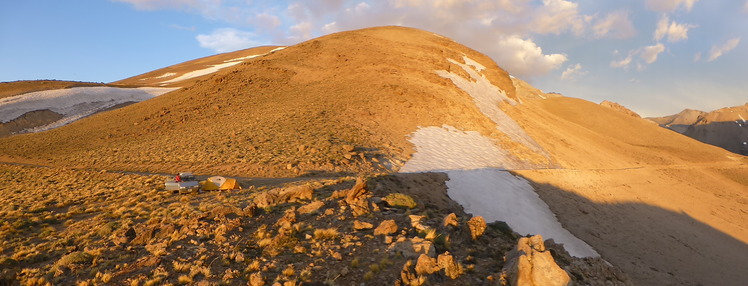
x: 188, y: 72
x: 256, y: 116
x: 724, y: 127
x: 664, y: 208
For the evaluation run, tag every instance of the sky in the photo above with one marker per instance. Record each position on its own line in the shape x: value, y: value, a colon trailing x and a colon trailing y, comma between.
x: 656, y: 57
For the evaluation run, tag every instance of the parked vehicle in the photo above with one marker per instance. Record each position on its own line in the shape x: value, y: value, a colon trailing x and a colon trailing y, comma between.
x: 182, y: 183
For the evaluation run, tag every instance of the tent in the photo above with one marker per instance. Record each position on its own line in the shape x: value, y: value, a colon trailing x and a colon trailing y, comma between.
x: 220, y: 183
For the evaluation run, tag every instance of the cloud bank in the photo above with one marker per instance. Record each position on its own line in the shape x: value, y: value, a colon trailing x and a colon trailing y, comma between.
x: 674, y: 32
x: 226, y: 40
x: 503, y: 29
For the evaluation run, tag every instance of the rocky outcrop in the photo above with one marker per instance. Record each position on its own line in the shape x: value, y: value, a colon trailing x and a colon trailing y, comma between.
x: 619, y: 108
x: 281, y: 196
x: 530, y: 264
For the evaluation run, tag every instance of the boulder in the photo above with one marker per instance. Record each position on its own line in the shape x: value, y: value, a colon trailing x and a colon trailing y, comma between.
x: 451, y: 220
x: 447, y: 263
x: 357, y: 198
x: 311, y: 207
x: 529, y: 263
x: 387, y: 227
x: 477, y: 226
x: 426, y: 265
x: 360, y: 225
x: 280, y: 196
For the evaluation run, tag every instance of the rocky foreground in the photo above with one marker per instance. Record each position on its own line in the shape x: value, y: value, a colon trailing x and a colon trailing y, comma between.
x: 77, y: 227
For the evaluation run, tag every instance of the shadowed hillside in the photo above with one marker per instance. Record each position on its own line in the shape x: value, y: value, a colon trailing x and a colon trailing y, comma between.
x: 724, y: 127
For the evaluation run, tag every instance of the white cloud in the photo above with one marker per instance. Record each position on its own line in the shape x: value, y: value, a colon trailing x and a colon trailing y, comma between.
x: 616, y: 25
x: 670, y: 5
x: 718, y: 51
x: 649, y: 53
x: 479, y: 24
x: 624, y: 63
x: 524, y: 57
x: 674, y: 31
x: 557, y: 16
x: 227, y: 40
x: 572, y: 72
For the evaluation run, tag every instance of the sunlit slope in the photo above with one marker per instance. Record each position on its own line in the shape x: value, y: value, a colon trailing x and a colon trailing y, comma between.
x: 295, y: 110
x: 662, y: 206
x: 186, y: 73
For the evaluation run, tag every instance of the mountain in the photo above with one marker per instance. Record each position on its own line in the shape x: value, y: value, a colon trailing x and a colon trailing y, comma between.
x: 724, y: 127
x: 39, y: 105
x: 679, y: 122
x: 415, y: 113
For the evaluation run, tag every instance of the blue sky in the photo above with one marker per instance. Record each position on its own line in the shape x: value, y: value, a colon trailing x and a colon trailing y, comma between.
x: 656, y: 57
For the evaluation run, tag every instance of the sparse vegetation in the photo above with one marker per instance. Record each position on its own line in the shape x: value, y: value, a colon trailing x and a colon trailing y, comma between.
x: 119, y: 229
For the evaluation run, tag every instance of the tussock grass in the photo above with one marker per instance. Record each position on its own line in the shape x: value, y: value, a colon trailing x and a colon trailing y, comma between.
x: 326, y: 234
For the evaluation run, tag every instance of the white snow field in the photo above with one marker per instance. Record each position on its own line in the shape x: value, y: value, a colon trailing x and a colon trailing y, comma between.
x: 476, y: 166
x: 214, y: 68
x: 201, y: 72
x: 488, y: 97
x: 73, y: 103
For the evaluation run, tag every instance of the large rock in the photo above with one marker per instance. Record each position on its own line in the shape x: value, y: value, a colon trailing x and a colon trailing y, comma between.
x: 451, y: 268
x: 426, y: 265
x: 387, y: 227
x: 531, y: 264
x: 477, y: 226
x: 281, y: 196
x: 413, y: 247
x: 358, y: 198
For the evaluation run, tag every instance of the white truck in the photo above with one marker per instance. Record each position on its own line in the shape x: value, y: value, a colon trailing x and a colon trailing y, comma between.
x: 182, y: 183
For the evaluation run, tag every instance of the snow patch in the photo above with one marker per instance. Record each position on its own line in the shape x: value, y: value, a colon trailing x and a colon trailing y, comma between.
x: 488, y: 98
x: 254, y: 56
x: 201, y: 72
x: 446, y: 148
x: 500, y: 196
x: 476, y: 165
x: 741, y: 118
x: 478, y: 182
x: 168, y: 74
x: 244, y: 58
x: 74, y: 103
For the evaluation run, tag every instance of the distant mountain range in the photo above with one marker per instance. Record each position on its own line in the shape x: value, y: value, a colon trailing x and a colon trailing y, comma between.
x: 726, y: 127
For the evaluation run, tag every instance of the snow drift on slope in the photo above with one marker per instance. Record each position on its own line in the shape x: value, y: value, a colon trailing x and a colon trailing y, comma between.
x: 73, y: 103
x: 476, y: 166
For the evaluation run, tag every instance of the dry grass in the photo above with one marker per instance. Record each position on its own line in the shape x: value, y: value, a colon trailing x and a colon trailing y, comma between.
x: 326, y: 234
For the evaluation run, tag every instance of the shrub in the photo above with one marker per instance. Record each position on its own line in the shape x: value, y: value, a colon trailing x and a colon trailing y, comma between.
x: 326, y: 233
x: 76, y: 257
